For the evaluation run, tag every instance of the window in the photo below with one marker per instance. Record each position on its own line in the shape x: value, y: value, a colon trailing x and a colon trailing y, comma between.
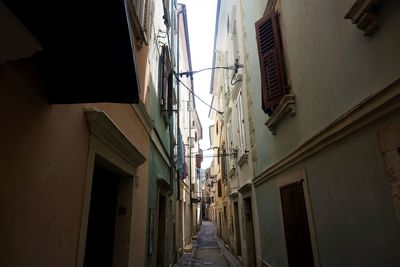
x: 229, y: 142
x: 165, y: 83
x: 166, y: 17
x: 223, y: 165
x: 241, y: 133
x: 273, y: 77
x: 219, y: 188
x: 142, y: 18
x: 228, y: 26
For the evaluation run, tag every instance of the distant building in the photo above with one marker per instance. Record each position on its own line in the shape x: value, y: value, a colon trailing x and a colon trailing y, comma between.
x: 188, y: 147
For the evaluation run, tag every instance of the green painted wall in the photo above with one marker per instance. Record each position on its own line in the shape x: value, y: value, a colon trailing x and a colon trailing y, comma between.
x: 159, y: 169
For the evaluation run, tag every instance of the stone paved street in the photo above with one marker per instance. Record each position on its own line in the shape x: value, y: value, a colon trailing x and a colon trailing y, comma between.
x: 209, y: 250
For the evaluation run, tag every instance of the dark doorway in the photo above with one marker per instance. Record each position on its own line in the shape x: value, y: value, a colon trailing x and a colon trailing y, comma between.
x: 237, y: 229
x: 251, y: 253
x: 102, y: 218
x: 161, y: 232
x: 220, y: 224
x: 297, y: 232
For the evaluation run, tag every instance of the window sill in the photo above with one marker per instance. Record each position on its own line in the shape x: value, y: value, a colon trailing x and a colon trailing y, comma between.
x: 363, y: 14
x: 286, y: 106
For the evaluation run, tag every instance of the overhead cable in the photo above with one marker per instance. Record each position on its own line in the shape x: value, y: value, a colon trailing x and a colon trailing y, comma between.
x: 190, y: 90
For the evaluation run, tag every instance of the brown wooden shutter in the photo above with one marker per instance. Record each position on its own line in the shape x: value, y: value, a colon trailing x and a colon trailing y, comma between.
x: 219, y: 188
x: 271, y: 64
x: 223, y: 163
x: 218, y: 154
x: 165, y: 79
x: 165, y: 83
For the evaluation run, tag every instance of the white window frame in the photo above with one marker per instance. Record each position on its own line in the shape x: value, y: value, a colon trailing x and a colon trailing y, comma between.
x: 229, y: 145
x: 240, y: 123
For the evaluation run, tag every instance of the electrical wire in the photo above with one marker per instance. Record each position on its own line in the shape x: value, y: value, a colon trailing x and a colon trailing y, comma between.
x: 197, y: 71
x: 233, y: 76
x: 212, y: 156
x: 190, y: 90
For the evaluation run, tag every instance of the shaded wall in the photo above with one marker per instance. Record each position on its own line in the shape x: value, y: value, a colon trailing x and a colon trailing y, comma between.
x: 43, y: 158
x: 351, y: 200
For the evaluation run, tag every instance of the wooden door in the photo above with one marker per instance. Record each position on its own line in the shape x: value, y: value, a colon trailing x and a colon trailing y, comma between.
x: 297, y: 231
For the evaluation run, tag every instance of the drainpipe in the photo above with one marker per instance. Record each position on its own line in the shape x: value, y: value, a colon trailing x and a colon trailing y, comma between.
x: 177, y: 91
x: 190, y: 154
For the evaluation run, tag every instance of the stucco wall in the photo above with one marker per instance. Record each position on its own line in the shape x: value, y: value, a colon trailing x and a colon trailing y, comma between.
x: 331, y: 67
x: 126, y: 118
x: 43, y: 157
x: 352, y: 207
x: 43, y: 161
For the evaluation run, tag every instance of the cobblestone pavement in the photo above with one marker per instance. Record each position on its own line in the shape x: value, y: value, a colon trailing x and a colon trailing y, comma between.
x: 208, y: 250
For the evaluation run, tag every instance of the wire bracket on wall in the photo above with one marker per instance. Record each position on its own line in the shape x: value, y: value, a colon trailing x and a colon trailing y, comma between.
x: 235, y: 68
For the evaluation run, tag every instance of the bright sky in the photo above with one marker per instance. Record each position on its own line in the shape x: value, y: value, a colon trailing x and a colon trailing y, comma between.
x: 201, y: 22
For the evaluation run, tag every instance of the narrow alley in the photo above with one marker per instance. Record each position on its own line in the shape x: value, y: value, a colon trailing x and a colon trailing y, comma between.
x: 226, y: 133
x: 208, y: 250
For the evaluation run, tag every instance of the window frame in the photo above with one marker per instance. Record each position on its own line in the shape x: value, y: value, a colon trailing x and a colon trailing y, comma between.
x: 164, y: 83
x: 240, y: 121
x: 141, y: 14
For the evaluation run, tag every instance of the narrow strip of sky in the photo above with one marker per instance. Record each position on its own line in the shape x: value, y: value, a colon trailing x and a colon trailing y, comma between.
x: 201, y: 23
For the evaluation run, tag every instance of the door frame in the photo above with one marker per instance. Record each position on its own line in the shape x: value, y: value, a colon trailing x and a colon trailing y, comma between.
x: 109, y: 148
x: 299, y: 176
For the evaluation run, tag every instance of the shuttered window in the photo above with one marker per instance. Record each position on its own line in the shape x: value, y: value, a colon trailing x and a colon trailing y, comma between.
x: 223, y: 163
x: 219, y: 188
x: 165, y: 83
x: 273, y: 84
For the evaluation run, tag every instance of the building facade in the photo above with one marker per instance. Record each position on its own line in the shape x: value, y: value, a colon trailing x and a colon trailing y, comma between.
x: 70, y: 160
x: 188, y: 125
x: 232, y: 96
x: 320, y: 87
x: 89, y: 134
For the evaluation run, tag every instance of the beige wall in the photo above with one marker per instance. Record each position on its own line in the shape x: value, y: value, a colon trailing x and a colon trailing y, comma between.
x: 43, y: 158
x: 43, y: 161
